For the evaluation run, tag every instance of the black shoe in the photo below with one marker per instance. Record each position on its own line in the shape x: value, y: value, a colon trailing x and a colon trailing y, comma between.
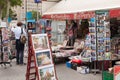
x: 24, y: 63
x: 17, y: 63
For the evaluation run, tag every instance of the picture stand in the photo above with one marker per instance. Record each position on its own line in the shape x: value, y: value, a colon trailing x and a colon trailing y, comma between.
x: 31, y: 66
x: 40, y: 64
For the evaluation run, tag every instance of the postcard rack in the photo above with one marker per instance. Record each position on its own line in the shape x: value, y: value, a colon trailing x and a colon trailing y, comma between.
x: 40, y: 64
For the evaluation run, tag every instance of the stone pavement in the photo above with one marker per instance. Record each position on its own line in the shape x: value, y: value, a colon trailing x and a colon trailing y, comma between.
x: 17, y: 72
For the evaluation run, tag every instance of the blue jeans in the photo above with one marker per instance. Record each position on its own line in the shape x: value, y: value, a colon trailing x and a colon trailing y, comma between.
x: 20, y: 52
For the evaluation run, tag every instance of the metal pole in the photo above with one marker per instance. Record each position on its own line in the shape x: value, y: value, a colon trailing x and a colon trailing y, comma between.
x: 41, y: 10
x: 26, y: 15
x: 37, y: 12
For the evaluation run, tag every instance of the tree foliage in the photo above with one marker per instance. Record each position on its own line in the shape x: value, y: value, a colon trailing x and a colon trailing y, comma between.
x: 4, y: 6
x: 34, y: 15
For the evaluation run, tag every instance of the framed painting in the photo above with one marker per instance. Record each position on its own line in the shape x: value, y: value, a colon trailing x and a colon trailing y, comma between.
x: 40, y: 42
x: 47, y: 73
x: 43, y: 58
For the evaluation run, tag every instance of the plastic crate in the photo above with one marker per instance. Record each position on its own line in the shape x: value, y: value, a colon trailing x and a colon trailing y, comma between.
x: 107, y: 75
x: 68, y: 64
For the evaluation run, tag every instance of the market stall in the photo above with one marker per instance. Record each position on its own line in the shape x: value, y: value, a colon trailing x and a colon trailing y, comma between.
x: 99, y: 14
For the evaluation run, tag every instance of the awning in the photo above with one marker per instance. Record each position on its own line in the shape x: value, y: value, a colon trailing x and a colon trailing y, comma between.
x: 68, y: 9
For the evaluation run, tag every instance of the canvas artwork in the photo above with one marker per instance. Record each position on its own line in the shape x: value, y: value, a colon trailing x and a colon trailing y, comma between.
x: 40, y: 42
x: 43, y: 58
x: 47, y: 73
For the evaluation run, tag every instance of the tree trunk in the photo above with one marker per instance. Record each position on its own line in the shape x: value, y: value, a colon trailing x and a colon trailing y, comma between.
x: 8, y: 8
x: 0, y: 13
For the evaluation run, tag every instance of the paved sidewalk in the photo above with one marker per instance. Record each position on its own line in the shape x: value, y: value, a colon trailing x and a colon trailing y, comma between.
x: 17, y: 72
x: 64, y: 73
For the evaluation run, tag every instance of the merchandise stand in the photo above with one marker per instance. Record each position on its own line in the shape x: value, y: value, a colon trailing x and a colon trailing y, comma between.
x: 100, y: 33
x: 40, y: 65
x: 94, y: 58
x: 95, y: 62
x: 5, y: 56
x: 31, y: 66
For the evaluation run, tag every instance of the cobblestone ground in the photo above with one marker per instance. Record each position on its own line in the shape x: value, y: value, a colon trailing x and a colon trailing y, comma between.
x: 17, y: 72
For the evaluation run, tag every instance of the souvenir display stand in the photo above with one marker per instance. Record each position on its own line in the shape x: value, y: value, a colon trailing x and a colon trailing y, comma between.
x: 13, y: 46
x: 5, y: 53
x: 40, y: 64
x: 100, y: 38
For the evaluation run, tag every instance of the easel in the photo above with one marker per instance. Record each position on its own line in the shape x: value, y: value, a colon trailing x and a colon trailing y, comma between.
x: 33, y: 70
x: 31, y: 59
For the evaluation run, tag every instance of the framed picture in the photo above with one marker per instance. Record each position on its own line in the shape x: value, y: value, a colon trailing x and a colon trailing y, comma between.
x: 40, y: 42
x: 43, y: 58
x: 47, y: 73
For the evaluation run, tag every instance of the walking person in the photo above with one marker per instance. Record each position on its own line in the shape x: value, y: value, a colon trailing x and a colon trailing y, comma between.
x: 19, y: 46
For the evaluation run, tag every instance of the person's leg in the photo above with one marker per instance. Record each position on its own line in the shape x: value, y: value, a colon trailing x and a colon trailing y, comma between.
x: 22, y: 54
x: 18, y: 52
x: 17, y: 57
x: 21, y: 57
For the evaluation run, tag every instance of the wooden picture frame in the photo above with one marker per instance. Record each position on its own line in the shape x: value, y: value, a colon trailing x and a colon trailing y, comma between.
x: 47, y: 73
x: 43, y: 58
x: 40, y: 42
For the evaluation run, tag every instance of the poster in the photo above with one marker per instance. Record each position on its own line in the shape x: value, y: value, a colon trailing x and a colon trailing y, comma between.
x: 117, y: 72
x: 40, y: 42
